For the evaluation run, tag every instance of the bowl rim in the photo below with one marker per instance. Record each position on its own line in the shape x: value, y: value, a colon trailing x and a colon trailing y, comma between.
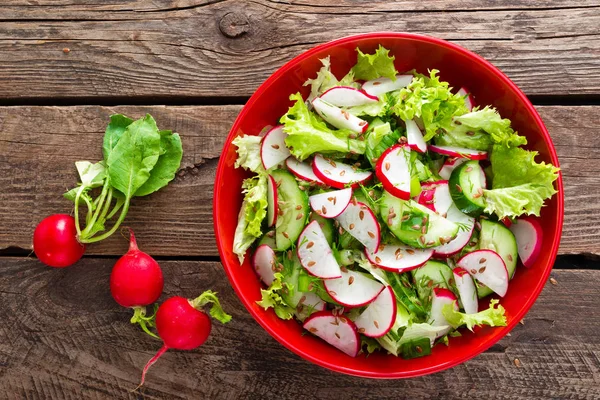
x: 389, y: 35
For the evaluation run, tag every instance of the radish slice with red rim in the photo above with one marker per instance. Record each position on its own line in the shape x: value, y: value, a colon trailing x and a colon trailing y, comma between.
x: 463, y: 152
x: 379, y: 316
x: 338, y: 174
x: 315, y: 255
x: 264, y: 262
x: 273, y: 150
x: 302, y: 170
x: 393, y: 170
x: 529, y: 235
x: 339, y: 118
x: 466, y: 227
x: 466, y: 290
x: 360, y: 222
x: 331, y: 204
x: 353, y: 289
x: 346, y: 96
x: 488, y: 268
x: 272, y: 205
x: 469, y: 101
x: 338, y: 331
x: 415, y: 137
x: 449, y: 165
x: 398, y: 258
x: 440, y: 298
x: 379, y: 86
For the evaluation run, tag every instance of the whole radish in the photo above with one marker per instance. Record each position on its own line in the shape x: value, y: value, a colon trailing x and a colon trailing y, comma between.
x: 136, y: 281
x: 182, y: 325
x: 55, y: 241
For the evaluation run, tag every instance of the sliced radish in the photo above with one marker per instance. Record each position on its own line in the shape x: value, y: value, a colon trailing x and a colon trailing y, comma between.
x: 264, y: 262
x: 436, y: 197
x: 425, y: 198
x: 453, y: 151
x: 315, y: 255
x: 306, y: 303
x: 469, y: 101
x: 488, y: 268
x: 415, y: 137
x: 528, y: 233
x: 273, y: 149
x: 346, y: 96
x: 440, y: 298
x: 272, y: 205
x: 353, y: 289
x: 302, y: 170
x: 466, y: 227
x: 379, y: 316
x: 398, y: 257
x: 361, y: 223
x: 449, y: 166
x: 338, y: 331
x: 379, y: 86
x: 337, y: 174
x: 339, y: 118
x: 466, y: 290
x: 331, y: 204
x: 393, y: 170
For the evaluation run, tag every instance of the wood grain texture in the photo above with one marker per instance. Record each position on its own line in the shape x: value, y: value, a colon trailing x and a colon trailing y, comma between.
x: 39, y: 145
x: 198, y: 49
x: 63, y: 337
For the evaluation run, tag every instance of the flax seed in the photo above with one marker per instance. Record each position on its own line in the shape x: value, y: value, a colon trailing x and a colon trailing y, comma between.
x: 361, y: 215
x: 473, y: 271
x: 299, y: 216
x: 271, y: 234
x: 510, y: 257
x: 482, y: 260
x: 337, y: 335
x: 361, y: 330
x: 323, y: 210
x: 342, y: 172
x: 410, y: 251
x: 387, y: 166
x: 377, y: 260
x: 517, y: 363
x: 469, y: 169
x: 310, y: 244
x: 313, y: 329
x: 458, y: 188
x: 344, y: 269
x: 350, y: 280
x: 311, y: 263
x: 553, y: 281
x: 376, y: 324
x: 275, y: 146
x: 298, y: 207
x: 285, y: 235
x: 351, y: 226
x: 371, y: 235
x: 481, y: 270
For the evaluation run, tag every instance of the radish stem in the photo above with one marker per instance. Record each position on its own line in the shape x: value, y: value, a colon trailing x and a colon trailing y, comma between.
x: 116, y: 208
x: 99, y: 207
x: 113, y: 229
x: 77, y: 197
x: 139, y: 317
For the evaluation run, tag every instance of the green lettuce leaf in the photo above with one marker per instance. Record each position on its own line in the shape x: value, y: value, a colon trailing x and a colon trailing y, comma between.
x: 373, y: 66
x: 371, y: 109
x: 493, y: 316
x: 325, y: 80
x: 480, y: 130
x: 519, y: 185
x: 216, y: 311
x: 369, y: 345
x: 432, y: 101
x: 252, y: 213
x: 308, y: 133
x: 271, y: 298
x: 248, y: 150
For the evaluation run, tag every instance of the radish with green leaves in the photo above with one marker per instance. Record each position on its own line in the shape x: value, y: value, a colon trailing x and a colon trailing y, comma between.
x: 182, y: 325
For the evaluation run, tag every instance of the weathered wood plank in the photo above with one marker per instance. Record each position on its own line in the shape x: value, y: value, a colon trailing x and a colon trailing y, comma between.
x: 199, y: 49
x: 63, y: 337
x: 38, y: 146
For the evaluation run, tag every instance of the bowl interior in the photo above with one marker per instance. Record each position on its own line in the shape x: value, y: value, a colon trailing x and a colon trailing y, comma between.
x: 460, y: 68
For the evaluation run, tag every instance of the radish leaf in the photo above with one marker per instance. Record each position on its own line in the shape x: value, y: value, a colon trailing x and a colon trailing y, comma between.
x: 167, y: 165
x: 114, y: 131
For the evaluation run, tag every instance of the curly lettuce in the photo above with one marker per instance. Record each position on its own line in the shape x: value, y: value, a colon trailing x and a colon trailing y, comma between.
x: 493, y: 316
x: 431, y: 100
x: 308, y: 133
x: 480, y: 130
x: 271, y: 298
x: 252, y: 213
x: 248, y: 151
x: 325, y: 80
x: 373, y: 66
x: 520, y: 185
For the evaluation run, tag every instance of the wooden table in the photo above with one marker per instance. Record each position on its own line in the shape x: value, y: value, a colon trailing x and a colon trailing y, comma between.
x: 66, y: 65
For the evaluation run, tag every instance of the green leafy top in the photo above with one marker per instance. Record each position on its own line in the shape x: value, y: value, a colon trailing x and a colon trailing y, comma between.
x: 373, y: 66
x: 325, y: 80
x: 248, y: 151
x: 493, y: 316
x: 271, y: 298
x: 216, y: 311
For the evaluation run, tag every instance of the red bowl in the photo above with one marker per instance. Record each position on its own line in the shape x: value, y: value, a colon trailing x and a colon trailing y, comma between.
x: 457, y: 66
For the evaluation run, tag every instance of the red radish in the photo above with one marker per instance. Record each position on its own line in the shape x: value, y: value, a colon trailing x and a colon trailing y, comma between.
x: 469, y: 101
x: 306, y: 303
x: 315, y: 255
x: 453, y: 151
x: 346, y: 96
x: 449, y: 165
x: 399, y: 258
x: 436, y: 197
x: 55, y: 241
x: 339, y: 118
x: 380, y: 86
x: 425, y: 198
x: 393, y: 170
x: 338, y: 331
x: 415, y: 137
x: 353, y: 289
x: 488, y: 268
x: 440, y: 298
x: 466, y: 227
x: 302, y: 170
x: 529, y: 234
x: 331, y: 204
x: 337, y: 174
x: 264, y: 262
x: 183, y: 326
x: 361, y: 223
x: 136, y: 279
x: 272, y: 205
x: 466, y: 290
x: 379, y: 316
x: 273, y: 150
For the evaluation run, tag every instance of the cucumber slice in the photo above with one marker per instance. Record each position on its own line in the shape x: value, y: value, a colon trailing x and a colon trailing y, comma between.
x: 268, y: 239
x: 408, y: 218
x: 326, y: 226
x: 415, y: 348
x: 293, y: 202
x: 347, y: 241
x: 497, y: 237
x: 466, y: 185
x: 375, y: 149
x: 431, y: 275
